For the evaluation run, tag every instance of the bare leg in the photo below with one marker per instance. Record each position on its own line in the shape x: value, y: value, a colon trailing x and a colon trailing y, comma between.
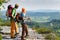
x: 23, y: 31
x: 26, y: 29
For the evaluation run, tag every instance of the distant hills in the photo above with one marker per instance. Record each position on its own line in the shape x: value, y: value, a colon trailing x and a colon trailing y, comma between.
x: 46, y: 10
x: 44, y: 16
x: 39, y: 16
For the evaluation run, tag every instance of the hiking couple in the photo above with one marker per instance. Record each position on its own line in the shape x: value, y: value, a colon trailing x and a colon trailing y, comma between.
x: 15, y: 18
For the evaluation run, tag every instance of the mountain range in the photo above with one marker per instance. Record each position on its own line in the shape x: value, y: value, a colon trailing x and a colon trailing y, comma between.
x: 39, y: 16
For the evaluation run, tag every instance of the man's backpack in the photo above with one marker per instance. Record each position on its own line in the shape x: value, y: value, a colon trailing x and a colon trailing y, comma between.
x: 9, y: 11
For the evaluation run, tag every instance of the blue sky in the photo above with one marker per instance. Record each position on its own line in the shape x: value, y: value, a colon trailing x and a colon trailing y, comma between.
x: 35, y: 4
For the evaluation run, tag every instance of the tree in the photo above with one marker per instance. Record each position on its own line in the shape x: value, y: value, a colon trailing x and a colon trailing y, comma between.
x: 3, y: 1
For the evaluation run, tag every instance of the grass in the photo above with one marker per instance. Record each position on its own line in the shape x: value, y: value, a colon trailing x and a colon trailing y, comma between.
x: 57, y: 38
x: 1, y: 29
x: 0, y: 37
x: 6, y: 23
x: 48, y: 36
x: 43, y: 30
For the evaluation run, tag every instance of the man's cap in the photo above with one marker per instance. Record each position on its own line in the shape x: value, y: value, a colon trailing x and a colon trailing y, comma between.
x: 16, y: 5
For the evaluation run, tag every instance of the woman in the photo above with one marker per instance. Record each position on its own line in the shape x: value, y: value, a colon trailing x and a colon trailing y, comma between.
x: 21, y: 17
x: 24, y: 25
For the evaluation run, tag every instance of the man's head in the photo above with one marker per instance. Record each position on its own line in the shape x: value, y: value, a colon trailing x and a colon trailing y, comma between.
x: 16, y: 6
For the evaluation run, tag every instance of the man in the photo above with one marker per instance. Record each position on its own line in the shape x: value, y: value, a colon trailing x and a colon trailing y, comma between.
x: 14, y: 26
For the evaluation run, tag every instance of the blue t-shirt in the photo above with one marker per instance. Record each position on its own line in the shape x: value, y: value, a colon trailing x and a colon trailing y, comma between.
x: 23, y: 15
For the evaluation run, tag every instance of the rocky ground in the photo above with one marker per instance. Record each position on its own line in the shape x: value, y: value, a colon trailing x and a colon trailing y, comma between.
x: 32, y: 34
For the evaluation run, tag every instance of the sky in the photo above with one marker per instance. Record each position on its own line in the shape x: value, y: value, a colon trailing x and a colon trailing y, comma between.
x: 35, y: 4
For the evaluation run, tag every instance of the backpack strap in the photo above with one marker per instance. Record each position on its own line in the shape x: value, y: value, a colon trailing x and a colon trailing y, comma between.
x: 13, y: 12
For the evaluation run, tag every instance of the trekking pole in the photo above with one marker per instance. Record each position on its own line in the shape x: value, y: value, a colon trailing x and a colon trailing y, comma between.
x: 29, y: 19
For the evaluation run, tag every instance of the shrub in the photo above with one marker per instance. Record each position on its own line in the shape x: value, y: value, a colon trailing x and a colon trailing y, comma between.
x: 57, y: 38
x: 48, y: 36
x: 52, y: 36
x: 43, y: 30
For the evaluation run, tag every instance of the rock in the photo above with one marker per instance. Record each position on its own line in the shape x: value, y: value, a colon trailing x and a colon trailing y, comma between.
x: 32, y: 34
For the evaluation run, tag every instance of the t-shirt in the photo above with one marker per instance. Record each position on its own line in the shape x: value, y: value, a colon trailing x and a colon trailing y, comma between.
x: 14, y: 13
x: 23, y: 14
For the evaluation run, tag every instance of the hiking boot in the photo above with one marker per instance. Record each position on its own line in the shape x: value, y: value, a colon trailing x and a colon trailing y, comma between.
x: 23, y: 39
x: 13, y: 37
x: 26, y: 36
x: 16, y: 34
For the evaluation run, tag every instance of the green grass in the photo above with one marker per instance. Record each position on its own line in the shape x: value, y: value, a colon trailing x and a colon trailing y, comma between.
x: 6, y: 23
x: 43, y: 30
x: 48, y: 36
x: 57, y: 38
x: 0, y: 37
x: 1, y: 29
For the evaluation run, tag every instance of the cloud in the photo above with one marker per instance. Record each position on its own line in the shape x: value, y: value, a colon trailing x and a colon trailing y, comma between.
x: 36, y: 4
